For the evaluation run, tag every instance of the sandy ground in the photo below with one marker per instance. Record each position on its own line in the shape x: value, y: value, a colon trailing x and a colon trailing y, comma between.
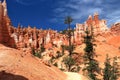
x: 74, y: 76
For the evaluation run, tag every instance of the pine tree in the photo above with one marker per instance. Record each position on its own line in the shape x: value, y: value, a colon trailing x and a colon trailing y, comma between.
x: 115, y: 72
x: 111, y: 71
x: 107, y: 69
x: 91, y: 64
x: 68, y: 21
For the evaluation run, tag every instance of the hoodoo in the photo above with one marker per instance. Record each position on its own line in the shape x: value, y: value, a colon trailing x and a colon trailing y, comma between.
x: 5, y: 25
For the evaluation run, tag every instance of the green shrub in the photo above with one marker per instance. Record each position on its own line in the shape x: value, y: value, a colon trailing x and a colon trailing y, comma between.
x: 55, y: 64
x: 37, y: 55
x: 69, y: 62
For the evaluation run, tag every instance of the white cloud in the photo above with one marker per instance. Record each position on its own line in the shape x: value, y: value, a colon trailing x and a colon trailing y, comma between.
x: 81, y: 9
x: 28, y: 2
x: 115, y: 17
x: 78, y: 9
x: 22, y: 2
x: 88, y: 1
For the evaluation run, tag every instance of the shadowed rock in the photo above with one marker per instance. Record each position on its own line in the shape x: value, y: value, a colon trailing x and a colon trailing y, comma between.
x: 9, y: 76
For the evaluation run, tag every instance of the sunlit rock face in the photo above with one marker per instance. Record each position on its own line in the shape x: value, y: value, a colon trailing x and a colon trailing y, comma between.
x: 116, y: 28
x: 5, y: 25
x: 79, y: 33
x: 31, y: 37
x: 97, y: 25
x: 91, y: 24
x: 1, y: 19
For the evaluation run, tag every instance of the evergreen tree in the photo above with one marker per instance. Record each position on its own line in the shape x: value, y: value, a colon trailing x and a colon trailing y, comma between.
x: 115, y: 72
x: 91, y: 64
x: 107, y: 69
x: 70, y: 61
x: 42, y: 49
x: 111, y: 71
x: 68, y: 21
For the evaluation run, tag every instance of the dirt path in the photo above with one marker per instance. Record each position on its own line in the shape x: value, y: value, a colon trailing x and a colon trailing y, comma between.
x: 74, y: 76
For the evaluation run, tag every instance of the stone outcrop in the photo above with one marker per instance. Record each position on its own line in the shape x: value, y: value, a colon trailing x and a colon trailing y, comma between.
x: 31, y: 37
x: 97, y: 24
x: 79, y: 33
x: 92, y: 23
x: 116, y: 28
x: 13, y: 62
x: 5, y: 24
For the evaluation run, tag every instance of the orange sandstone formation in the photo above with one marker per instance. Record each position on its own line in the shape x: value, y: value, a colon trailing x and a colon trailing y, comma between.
x: 5, y: 25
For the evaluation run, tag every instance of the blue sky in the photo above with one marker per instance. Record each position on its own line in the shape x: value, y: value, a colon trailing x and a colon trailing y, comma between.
x: 51, y: 13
